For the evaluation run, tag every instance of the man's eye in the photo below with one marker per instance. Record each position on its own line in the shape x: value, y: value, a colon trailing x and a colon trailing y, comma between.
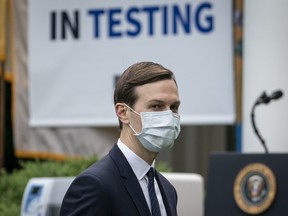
x: 156, y: 107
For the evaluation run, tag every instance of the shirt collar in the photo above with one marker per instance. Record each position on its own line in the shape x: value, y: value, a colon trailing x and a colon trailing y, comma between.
x: 138, y: 165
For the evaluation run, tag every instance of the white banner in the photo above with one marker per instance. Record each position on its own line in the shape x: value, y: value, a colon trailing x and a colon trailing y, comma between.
x: 77, y: 48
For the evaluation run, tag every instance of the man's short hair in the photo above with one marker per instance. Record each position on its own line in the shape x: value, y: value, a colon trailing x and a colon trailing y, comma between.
x: 136, y: 75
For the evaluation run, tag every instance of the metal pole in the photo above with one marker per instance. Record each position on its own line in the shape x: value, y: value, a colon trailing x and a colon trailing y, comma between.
x: 3, y: 10
x: 2, y: 115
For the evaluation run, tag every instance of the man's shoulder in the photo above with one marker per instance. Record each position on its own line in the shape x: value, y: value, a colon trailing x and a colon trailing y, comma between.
x: 110, y: 168
x: 101, y: 168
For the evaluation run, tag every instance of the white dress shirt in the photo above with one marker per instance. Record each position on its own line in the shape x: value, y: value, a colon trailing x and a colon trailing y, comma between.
x: 140, y: 168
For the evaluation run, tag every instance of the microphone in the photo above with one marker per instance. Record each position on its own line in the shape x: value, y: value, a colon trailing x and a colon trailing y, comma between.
x: 263, y: 99
x: 276, y: 95
x: 266, y: 99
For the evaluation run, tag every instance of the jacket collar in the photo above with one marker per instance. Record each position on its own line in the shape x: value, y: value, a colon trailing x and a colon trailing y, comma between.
x: 133, y: 187
x: 130, y: 180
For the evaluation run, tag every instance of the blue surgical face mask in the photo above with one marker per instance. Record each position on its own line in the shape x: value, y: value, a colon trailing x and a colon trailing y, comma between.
x: 159, y: 129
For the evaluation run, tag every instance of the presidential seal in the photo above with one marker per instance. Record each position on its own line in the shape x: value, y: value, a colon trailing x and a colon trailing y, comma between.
x: 255, y: 188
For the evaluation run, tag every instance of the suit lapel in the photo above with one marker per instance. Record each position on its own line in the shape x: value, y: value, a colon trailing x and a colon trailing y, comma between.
x: 167, y: 199
x: 130, y: 181
x: 137, y: 195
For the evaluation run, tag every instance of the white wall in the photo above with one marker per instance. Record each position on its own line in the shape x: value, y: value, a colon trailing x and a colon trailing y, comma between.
x: 265, y: 69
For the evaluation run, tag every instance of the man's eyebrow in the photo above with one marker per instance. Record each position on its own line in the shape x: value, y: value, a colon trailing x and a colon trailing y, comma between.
x: 156, y: 100
x: 161, y: 101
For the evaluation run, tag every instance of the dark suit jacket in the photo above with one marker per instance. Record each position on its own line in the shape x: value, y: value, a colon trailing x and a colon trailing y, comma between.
x: 110, y: 187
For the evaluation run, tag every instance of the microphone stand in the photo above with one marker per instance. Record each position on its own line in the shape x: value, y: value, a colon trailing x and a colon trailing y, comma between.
x: 255, y: 128
x: 263, y: 99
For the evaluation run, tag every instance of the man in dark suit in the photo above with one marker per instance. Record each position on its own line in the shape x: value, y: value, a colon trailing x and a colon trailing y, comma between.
x: 146, y: 102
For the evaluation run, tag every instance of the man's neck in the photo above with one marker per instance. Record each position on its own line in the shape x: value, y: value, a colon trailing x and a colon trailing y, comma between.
x: 134, y: 144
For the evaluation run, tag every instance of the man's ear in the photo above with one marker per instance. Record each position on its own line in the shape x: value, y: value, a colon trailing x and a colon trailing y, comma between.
x: 121, y: 111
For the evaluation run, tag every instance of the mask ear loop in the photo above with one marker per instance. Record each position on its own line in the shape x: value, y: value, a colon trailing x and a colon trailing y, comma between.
x: 131, y: 109
x: 135, y: 133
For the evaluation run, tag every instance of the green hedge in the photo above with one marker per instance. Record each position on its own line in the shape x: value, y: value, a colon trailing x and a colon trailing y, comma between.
x: 12, y: 185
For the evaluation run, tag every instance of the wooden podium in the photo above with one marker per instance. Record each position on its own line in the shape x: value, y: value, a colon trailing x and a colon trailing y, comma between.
x: 247, y: 184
